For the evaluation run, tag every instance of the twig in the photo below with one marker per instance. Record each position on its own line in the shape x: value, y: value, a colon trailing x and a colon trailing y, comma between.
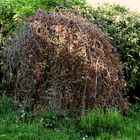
x: 84, y: 96
x: 96, y: 79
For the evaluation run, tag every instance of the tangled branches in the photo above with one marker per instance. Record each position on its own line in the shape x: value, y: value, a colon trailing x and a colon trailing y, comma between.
x: 63, y: 61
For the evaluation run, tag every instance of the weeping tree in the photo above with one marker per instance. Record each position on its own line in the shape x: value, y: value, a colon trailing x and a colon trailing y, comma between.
x: 61, y: 60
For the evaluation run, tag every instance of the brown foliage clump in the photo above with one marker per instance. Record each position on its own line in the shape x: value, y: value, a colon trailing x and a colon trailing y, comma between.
x: 61, y: 60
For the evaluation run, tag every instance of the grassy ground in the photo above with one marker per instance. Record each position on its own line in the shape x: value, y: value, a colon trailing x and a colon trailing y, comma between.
x: 15, y: 124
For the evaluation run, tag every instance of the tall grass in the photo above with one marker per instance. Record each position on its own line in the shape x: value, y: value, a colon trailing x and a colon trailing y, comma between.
x: 97, y: 121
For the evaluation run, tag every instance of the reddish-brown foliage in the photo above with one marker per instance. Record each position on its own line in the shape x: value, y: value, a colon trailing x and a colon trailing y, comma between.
x: 63, y: 61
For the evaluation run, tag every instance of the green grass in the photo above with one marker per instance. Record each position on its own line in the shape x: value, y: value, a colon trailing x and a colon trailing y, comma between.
x: 57, y: 125
x: 97, y: 121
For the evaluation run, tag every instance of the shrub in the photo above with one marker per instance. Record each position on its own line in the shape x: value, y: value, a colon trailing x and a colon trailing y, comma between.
x: 64, y: 61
